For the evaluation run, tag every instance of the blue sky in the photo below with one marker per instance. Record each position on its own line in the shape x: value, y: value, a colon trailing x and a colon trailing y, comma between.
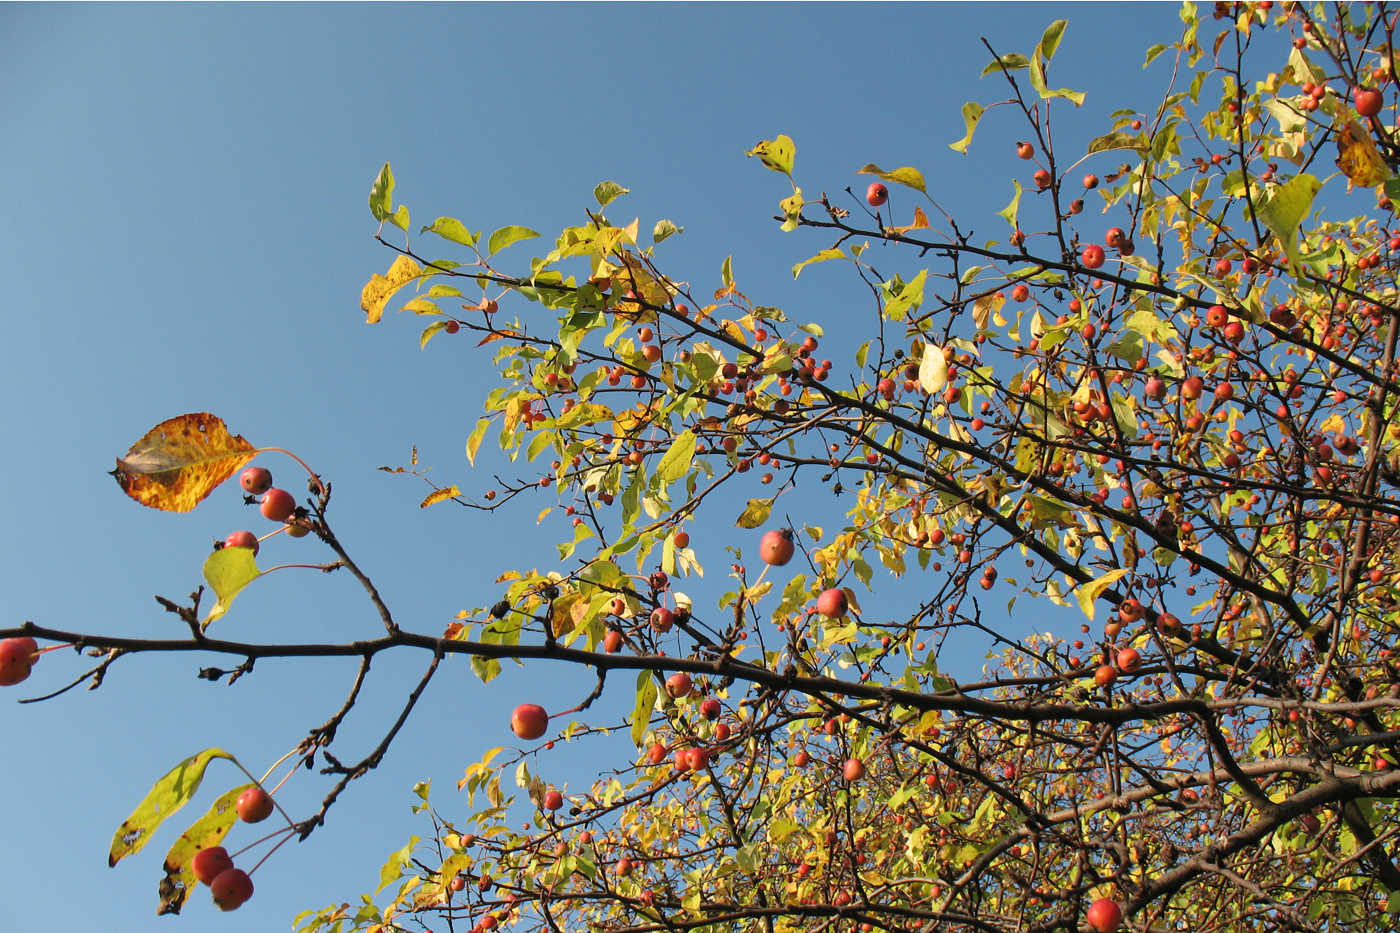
x: 188, y: 231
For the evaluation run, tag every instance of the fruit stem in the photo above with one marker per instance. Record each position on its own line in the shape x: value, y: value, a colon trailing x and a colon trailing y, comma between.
x: 325, y: 568
x: 290, y: 823
x: 284, y: 833
x: 320, y: 486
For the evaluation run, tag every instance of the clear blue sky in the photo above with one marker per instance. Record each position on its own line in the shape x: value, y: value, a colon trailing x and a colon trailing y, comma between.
x: 187, y: 230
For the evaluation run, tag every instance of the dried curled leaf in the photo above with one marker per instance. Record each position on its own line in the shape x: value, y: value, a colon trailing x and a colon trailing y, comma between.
x: 177, y: 463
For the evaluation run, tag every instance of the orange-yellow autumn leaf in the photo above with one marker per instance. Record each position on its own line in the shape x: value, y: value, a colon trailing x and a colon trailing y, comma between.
x: 177, y: 463
x: 380, y: 288
x: 920, y: 222
x: 1357, y: 157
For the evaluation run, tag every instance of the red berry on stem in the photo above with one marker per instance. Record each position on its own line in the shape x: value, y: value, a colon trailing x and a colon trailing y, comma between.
x: 242, y: 539
x: 278, y: 505
x: 231, y: 888
x: 209, y: 863
x: 678, y: 685
x: 877, y: 194
x: 17, y: 657
x: 255, y: 480
x: 776, y: 548
x: 1104, y: 915
x: 254, y: 805
x: 529, y: 721
x: 1092, y: 256
x: 1368, y: 101
x: 553, y: 800
x: 832, y: 603
x: 662, y: 619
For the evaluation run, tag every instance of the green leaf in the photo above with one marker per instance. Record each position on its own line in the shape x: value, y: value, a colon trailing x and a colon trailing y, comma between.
x: 1153, y: 52
x: 400, y: 218
x: 227, y: 571
x: 398, y: 863
x: 1037, y: 67
x: 1286, y: 210
x: 1116, y: 140
x: 168, y: 795
x: 1050, y: 39
x: 209, y: 830
x: 1012, y: 61
x: 1012, y: 211
x: 907, y: 176
x: 823, y: 256
x: 381, y: 194
x: 485, y: 668
x: 606, y: 192
x: 972, y: 115
x: 676, y: 461
x: 755, y: 513
x: 664, y: 229
x: 645, y: 703
x: 777, y: 154
x: 474, y: 439
x: 452, y: 229
x: 1088, y: 593
x: 508, y: 235
x: 430, y: 332
x: 726, y: 271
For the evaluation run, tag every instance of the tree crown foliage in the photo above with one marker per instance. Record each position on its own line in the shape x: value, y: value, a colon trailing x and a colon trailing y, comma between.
x: 1163, y: 396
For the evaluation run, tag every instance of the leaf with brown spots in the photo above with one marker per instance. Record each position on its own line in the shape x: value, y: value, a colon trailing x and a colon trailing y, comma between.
x: 177, y: 463
x: 169, y: 794
x: 208, y: 830
x: 1357, y: 157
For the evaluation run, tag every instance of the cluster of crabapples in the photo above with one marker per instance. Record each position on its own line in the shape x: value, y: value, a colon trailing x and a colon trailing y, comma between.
x: 276, y: 505
x: 231, y: 887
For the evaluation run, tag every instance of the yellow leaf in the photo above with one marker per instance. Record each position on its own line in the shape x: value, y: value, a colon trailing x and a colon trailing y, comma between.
x: 983, y: 308
x: 933, y: 369
x: 380, y: 288
x: 439, y: 495
x: 1357, y: 157
x: 920, y: 222
x: 1088, y: 593
x: 177, y: 463
x: 908, y: 176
